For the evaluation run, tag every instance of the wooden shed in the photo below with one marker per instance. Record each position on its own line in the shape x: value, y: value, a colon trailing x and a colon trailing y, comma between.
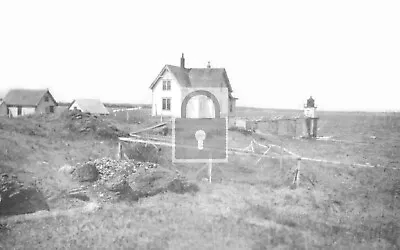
x: 19, y: 102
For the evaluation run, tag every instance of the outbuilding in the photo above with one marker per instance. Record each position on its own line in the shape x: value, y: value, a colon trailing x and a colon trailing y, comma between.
x: 20, y: 102
x: 92, y: 106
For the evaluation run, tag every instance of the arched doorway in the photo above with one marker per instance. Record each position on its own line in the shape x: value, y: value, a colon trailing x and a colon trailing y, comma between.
x: 200, y: 104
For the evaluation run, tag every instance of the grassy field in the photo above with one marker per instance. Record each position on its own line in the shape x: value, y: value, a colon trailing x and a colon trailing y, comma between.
x: 251, y: 203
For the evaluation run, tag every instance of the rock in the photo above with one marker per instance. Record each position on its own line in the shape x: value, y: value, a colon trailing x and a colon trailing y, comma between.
x: 176, y: 186
x: 79, y: 196
x: 130, y: 179
x: 91, y: 207
x: 118, y: 184
x: 86, y: 172
x: 67, y: 169
x: 18, y: 199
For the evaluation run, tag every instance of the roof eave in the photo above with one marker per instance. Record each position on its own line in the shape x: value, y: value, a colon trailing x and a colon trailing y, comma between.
x: 158, y: 77
x: 48, y: 92
x: 227, y: 81
x: 71, y: 104
x: 20, y: 105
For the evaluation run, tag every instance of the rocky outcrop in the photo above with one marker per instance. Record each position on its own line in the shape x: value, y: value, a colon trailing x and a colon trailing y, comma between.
x: 16, y: 198
x: 130, y: 179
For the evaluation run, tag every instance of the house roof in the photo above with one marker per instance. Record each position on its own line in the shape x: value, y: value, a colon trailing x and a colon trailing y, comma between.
x: 25, y: 97
x: 93, y: 106
x: 198, y: 77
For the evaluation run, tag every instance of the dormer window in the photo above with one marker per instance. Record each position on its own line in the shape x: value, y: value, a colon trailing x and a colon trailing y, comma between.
x: 166, y: 85
x: 46, y: 99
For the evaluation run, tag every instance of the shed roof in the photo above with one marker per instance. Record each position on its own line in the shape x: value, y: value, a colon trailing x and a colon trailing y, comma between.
x: 198, y: 77
x: 93, y: 106
x: 25, y: 97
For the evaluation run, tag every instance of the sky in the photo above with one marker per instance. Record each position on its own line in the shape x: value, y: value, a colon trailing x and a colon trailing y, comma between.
x: 346, y: 54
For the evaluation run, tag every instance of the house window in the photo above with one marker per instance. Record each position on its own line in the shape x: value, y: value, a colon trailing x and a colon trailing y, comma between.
x: 19, y: 112
x: 166, y: 85
x: 166, y: 103
x: 46, y: 99
x: 51, y: 109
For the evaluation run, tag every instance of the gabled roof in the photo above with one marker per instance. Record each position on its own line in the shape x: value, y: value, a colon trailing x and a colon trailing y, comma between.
x: 197, y: 77
x: 93, y: 106
x: 26, y: 97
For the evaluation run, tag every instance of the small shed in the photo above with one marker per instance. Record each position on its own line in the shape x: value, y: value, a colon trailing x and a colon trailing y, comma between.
x: 242, y: 123
x: 19, y: 102
x: 92, y: 106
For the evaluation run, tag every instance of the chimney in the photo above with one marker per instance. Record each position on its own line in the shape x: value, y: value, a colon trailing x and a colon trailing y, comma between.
x: 182, y: 61
x: 209, y: 65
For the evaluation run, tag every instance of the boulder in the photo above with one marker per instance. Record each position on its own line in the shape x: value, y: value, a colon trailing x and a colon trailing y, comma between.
x: 91, y: 207
x: 18, y: 199
x: 67, y: 169
x: 86, y: 172
x: 118, y: 184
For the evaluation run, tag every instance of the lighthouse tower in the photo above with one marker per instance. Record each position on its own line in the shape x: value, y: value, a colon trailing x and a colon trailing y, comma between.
x: 309, y: 108
x: 311, y: 119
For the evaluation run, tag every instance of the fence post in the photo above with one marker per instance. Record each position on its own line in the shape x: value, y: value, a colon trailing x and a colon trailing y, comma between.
x: 307, y: 126
x: 281, y: 159
x: 119, y: 151
x: 298, y: 172
x: 209, y: 169
x: 315, y: 127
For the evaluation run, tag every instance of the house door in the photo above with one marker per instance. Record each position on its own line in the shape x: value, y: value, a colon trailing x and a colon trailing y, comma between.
x: 19, y: 110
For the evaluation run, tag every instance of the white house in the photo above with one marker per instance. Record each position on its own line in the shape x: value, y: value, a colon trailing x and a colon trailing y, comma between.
x: 92, y: 106
x: 173, y: 84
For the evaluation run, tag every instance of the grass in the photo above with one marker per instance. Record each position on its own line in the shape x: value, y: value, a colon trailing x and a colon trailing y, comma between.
x: 220, y: 217
x: 249, y: 205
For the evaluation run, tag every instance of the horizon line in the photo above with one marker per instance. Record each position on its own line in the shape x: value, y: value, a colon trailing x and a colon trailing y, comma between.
x: 261, y: 108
